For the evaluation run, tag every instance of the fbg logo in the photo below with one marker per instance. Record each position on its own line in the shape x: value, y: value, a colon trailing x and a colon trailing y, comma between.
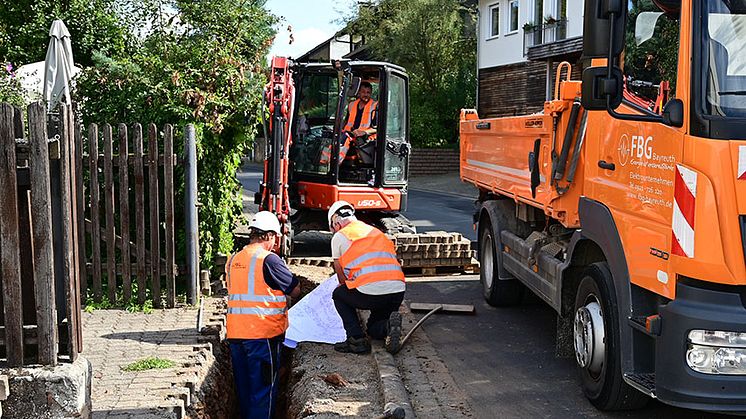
x: 636, y: 148
x: 641, y: 146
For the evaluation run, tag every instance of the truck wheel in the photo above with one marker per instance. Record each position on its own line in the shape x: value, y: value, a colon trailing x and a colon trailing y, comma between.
x: 596, y: 343
x: 498, y: 292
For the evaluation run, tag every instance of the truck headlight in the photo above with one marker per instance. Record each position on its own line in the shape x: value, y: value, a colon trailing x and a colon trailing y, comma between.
x: 717, y: 352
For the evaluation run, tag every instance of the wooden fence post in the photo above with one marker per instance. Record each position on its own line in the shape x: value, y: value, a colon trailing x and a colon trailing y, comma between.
x: 69, y: 229
x: 140, y: 214
x: 9, y: 255
x: 80, y: 201
x: 168, y: 197
x: 155, y: 241
x: 111, y: 272
x: 95, y: 211
x: 41, y: 216
x: 124, y: 212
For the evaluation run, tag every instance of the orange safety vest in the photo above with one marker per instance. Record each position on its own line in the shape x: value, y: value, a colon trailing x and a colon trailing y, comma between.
x: 367, y: 118
x: 371, y: 256
x: 255, y: 311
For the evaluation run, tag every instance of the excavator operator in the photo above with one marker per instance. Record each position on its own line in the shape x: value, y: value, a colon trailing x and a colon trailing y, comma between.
x: 361, y: 122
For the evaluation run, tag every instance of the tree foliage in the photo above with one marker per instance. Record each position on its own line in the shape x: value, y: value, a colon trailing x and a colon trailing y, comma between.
x: 435, y: 41
x: 93, y: 24
x: 196, y: 61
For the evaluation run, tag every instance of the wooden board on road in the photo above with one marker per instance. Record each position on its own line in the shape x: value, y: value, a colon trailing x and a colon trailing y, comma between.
x: 450, y: 308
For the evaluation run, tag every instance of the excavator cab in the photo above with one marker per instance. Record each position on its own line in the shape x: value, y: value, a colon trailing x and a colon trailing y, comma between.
x: 327, y: 162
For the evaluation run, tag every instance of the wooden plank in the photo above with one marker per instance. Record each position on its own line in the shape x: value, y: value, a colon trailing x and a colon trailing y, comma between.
x: 80, y: 201
x: 124, y: 211
x: 140, y: 213
x: 168, y: 202
x: 153, y: 196
x: 24, y: 226
x: 95, y: 211
x: 69, y: 228
x: 41, y: 217
x: 453, y: 308
x: 111, y: 274
x: 82, y: 276
x: 10, y: 270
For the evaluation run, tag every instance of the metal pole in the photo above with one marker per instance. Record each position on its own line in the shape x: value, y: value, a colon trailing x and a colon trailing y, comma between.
x: 190, y: 213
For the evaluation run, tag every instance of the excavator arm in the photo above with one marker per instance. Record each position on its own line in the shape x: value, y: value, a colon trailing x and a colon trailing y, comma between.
x: 279, y: 98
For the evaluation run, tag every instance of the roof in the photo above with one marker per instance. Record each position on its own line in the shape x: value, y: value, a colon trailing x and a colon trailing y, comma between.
x: 355, y: 64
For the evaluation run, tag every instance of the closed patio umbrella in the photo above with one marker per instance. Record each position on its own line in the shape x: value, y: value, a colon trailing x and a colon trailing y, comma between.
x: 58, y: 66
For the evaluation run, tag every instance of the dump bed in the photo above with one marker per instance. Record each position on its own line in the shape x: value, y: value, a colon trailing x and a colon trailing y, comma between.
x: 501, y: 155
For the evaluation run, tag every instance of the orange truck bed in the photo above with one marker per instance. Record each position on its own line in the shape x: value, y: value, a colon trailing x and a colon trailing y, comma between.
x: 495, y: 155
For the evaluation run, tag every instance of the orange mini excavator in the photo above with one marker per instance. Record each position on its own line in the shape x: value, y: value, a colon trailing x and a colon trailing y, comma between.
x: 311, y: 161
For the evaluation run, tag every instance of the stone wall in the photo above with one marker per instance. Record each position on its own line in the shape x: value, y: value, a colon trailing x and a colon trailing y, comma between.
x: 433, y: 161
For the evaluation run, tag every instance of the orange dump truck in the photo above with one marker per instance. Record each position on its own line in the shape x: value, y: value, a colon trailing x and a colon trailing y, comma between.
x: 623, y: 204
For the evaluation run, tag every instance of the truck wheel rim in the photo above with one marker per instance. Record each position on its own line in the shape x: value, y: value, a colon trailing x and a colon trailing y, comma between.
x: 589, y: 337
x: 488, y: 262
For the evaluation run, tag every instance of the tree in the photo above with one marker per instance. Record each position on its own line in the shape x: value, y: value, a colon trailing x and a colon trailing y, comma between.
x: 435, y: 41
x: 93, y: 24
x: 201, y: 62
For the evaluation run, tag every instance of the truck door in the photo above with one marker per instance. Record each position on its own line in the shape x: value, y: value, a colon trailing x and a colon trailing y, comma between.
x: 395, y: 147
x: 634, y: 164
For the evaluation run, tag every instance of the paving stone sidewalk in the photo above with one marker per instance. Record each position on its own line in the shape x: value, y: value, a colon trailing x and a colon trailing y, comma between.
x: 115, y: 338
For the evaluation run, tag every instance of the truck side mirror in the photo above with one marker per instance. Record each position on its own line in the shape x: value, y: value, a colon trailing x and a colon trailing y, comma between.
x: 673, y: 113
x: 599, y: 26
x: 354, y: 87
x: 599, y: 90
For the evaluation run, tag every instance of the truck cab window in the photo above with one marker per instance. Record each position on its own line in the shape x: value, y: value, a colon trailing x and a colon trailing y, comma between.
x: 723, y: 62
x: 651, y: 56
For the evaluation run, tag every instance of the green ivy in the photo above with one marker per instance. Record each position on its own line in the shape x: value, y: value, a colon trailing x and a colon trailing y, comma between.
x: 204, y: 67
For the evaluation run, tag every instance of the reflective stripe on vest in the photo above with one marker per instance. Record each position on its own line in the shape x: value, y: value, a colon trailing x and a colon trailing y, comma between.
x: 370, y: 258
x: 367, y: 117
x: 255, y: 311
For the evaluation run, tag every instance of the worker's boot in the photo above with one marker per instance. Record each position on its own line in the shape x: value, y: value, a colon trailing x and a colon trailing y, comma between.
x: 353, y: 345
x: 393, y: 337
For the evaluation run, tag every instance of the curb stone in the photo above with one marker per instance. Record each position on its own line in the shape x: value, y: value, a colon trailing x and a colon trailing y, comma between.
x: 392, y: 384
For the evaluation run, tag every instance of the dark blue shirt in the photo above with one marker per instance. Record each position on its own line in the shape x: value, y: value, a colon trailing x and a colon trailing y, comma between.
x: 277, y: 275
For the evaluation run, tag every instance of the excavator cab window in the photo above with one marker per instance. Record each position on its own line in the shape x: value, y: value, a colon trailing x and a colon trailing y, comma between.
x: 651, y: 56
x: 314, y: 123
x: 397, y: 143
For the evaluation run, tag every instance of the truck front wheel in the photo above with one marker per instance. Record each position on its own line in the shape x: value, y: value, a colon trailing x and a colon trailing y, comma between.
x: 498, y: 292
x: 596, y: 343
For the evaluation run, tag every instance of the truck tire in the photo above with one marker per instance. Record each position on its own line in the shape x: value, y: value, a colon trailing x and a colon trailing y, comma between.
x: 497, y: 292
x: 596, y: 343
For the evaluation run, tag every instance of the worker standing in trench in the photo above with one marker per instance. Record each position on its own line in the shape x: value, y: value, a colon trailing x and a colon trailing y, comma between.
x: 258, y: 283
x: 370, y: 278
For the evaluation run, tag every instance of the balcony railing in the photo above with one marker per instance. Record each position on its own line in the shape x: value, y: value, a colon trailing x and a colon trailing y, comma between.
x: 543, y: 34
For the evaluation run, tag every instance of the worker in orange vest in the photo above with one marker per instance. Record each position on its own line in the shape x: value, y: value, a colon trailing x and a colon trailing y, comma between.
x: 370, y: 278
x: 360, y: 125
x: 258, y: 283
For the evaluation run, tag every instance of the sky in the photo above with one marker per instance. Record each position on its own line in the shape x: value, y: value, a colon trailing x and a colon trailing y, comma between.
x: 312, y: 21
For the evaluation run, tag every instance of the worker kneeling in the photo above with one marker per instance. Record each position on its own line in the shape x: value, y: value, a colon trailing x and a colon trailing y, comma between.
x: 258, y: 282
x: 370, y: 278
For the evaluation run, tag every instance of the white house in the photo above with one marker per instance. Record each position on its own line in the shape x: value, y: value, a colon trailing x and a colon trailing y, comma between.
x: 520, y: 42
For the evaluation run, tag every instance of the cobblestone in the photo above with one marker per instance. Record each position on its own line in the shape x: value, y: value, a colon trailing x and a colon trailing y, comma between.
x: 114, y: 339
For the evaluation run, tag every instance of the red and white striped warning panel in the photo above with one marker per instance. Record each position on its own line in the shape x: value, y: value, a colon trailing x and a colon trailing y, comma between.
x: 742, y: 162
x: 684, y: 200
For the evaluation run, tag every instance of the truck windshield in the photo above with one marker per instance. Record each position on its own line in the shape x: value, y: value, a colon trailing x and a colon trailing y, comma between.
x: 723, y: 62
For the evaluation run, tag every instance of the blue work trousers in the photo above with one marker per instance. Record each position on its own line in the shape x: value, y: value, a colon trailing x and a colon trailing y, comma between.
x: 255, y: 366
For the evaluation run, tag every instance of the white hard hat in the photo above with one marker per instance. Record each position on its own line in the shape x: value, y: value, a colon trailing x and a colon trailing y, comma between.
x: 336, y: 207
x: 265, y: 221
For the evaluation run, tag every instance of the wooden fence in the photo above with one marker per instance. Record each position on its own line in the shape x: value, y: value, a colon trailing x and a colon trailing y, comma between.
x: 39, y: 238
x: 130, y: 219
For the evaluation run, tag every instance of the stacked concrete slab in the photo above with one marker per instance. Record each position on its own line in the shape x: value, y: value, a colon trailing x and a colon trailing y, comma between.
x: 433, y: 249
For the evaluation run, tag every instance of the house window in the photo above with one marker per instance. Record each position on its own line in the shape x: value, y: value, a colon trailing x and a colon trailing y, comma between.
x: 513, y: 16
x: 494, y: 20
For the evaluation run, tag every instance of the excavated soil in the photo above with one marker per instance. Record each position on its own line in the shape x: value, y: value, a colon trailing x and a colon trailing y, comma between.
x: 324, y: 383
